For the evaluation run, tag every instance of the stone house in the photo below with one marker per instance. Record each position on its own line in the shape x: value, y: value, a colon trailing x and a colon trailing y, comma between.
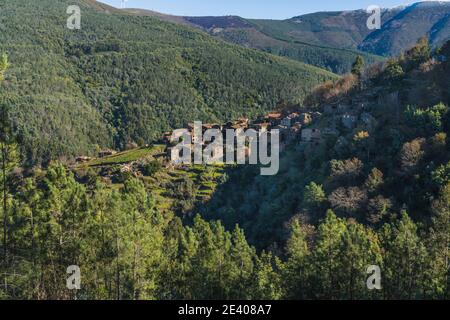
x: 83, y: 159
x: 295, y: 131
x: 260, y: 127
x: 290, y: 119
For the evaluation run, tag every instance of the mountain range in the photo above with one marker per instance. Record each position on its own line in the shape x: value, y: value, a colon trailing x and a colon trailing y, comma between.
x: 301, y: 35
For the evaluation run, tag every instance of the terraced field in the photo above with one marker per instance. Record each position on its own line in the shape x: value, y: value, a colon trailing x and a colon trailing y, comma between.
x: 125, y: 157
x: 169, y: 186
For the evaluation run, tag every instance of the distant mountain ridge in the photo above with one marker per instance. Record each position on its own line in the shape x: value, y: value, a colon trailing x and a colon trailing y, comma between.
x: 430, y: 19
x: 401, y: 27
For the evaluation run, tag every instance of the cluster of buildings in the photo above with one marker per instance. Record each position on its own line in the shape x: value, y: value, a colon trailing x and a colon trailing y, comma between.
x: 292, y: 126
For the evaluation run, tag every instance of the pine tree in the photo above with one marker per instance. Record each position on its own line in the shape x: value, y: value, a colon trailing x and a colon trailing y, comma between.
x: 404, y: 258
x: 242, y: 263
x: 296, y: 270
x: 326, y: 263
x: 360, y: 249
x: 358, y: 66
x: 8, y: 161
x: 267, y: 282
x: 438, y: 264
x: 314, y: 196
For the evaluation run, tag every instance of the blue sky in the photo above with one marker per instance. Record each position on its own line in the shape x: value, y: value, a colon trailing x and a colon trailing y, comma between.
x: 271, y: 9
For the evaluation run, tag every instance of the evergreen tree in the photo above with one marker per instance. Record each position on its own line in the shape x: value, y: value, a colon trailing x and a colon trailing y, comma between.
x: 326, y: 264
x: 267, y: 282
x: 242, y: 264
x: 358, y: 66
x: 360, y: 248
x: 8, y: 161
x: 438, y: 264
x: 404, y: 258
x: 296, y: 271
x: 314, y: 197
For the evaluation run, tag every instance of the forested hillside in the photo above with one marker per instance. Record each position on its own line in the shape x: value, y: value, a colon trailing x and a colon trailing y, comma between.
x: 337, y: 29
x: 132, y: 77
x: 401, y: 27
x: 373, y: 193
x: 384, y: 150
x: 371, y: 188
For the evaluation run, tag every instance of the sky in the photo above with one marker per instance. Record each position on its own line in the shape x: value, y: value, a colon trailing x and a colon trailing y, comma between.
x: 269, y: 9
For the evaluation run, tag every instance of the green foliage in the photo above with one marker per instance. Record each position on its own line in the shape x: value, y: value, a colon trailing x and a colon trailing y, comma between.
x: 137, y: 239
x: 429, y: 120
x: 374, y: 180
x: 345, y: 171
x: 393, y: 72
x: 441, y: 176
x: 151, y: 168
x: 404, y: 259
x: 418, y: 54
x: 358, y: 66
x: 333, y: 59
x: 404, y: 152
x: 314, y: 196
x: 127, y: 249
x: 3, y: 65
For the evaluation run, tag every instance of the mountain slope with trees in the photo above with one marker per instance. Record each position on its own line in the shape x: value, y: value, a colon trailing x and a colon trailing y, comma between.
x: 254, y: 34
x: 311, y: 37
x: 376, y: 195
x: 132, y: 77
x: 431, y: 19
x: 375, y: 191
x: 392, y: 157
x: 401, y: 27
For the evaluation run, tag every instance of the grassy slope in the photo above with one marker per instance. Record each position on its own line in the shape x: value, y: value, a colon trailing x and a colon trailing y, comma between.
x: 162, y: 184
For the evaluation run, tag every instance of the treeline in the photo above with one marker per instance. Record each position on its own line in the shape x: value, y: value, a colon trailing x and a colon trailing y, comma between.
x: 126, y: 249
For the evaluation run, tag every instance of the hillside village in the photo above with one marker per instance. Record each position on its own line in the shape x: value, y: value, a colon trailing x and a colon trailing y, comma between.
x: 298, y: 129
x: 363, y: 177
